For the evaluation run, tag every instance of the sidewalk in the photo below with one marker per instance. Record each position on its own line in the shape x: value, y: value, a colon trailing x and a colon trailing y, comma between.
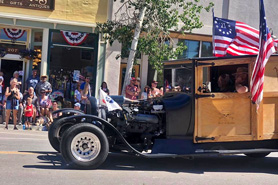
x: 20, y: 127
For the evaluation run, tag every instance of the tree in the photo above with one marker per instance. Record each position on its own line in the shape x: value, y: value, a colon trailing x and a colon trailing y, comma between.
x: 147, y: 24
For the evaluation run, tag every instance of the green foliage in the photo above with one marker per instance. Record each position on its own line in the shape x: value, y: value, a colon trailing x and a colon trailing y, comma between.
x: 161, y: 16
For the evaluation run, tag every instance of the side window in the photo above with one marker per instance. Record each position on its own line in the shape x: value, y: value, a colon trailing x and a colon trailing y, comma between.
x: 225, y: 79
x: 178, y: 79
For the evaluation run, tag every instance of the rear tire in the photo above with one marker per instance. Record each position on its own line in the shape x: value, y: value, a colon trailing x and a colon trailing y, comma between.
x: 257, y: 155
x: 84, y: 146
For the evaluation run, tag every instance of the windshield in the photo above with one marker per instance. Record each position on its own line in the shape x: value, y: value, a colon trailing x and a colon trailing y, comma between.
x: 178, y: 78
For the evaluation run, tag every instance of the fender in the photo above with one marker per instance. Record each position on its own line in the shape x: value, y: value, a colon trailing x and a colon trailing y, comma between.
x: 92, y: 118
x: 67, y: 110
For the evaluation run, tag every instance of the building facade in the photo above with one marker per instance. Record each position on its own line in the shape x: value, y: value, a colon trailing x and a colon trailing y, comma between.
x: 199, y: 42
x: 62, y: 34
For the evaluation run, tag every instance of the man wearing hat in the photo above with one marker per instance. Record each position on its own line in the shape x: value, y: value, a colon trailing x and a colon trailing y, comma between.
x: 155, y: 92
x: 132, y: 90
x: 77, y: 106
x: 44, y: 85
x: 33, y: 80
x: 241, y: 79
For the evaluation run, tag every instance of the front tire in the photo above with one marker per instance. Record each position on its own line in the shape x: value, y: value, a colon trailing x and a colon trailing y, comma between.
x: 84, y: 146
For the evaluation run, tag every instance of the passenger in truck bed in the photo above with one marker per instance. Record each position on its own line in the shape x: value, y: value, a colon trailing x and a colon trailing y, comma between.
x: 241, y: 80
x: 224, y: 83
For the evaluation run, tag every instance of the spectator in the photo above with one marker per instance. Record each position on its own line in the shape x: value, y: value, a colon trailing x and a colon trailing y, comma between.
x: 104, y: 87
x: 145, y: 95
x: 77, y: 94
x: 1, y: 98
x: 33, y: 80
x: 86, y: 85
x: 20, y: 108
x: 19, y: 81
x: 44, y: 104
x: 54, y: 108
x: 31, y: 94
x: 12, y: 103
x: 155, y: 92
x: 132, y: 91
x: 85, y: 94
x: 138, y: 85
x: 28, y: 113
x: 77, y: 106
x: 44, y: 85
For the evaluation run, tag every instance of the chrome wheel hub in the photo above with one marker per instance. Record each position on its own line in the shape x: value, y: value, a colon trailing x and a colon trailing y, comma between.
x: 85, y: 146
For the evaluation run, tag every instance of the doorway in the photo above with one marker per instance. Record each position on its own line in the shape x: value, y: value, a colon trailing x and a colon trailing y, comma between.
x: 8, y: 67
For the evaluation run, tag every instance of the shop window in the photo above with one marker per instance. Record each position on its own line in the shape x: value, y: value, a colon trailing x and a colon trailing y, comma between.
x: 192, y: 49
x: 223, y: 79
x: 57, y: 38
x: 86, y: 55
x: 206, y: 49
x: 68, y: 66
x: 37, y: 60
x: 3, y: 36
x: 38, y: 36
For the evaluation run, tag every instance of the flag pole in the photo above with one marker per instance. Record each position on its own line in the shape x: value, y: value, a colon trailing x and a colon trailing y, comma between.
x: 213, y: 43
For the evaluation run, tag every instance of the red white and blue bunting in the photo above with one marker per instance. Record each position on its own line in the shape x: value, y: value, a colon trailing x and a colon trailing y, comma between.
x: 13, y: 34
x: 74, y: 38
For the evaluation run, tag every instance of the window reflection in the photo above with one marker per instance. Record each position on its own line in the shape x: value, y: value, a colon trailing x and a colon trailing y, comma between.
x: 178, y: 79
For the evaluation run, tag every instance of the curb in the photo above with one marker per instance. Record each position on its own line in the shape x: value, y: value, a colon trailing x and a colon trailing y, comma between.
x: 20, y: 127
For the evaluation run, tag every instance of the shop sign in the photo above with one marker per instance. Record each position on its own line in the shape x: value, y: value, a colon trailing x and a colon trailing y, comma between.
x: 12, y: 50
x: 30, y: 4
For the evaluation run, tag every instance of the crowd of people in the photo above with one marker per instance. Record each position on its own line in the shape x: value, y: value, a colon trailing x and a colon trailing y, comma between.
x: 34, y: 106
x: 134, y: 92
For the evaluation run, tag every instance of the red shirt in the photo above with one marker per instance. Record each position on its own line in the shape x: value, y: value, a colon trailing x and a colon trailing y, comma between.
x: 132, y: 89
x: 29, y: 113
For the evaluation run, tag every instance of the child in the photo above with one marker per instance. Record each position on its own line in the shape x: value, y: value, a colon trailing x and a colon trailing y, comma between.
x: 28, y: 113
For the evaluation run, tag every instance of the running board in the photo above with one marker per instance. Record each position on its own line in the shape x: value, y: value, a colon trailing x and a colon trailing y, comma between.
x: 243, y: 151
x: 201, y: 152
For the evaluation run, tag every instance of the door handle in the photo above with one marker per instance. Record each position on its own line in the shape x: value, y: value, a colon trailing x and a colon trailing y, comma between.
x: 197, y: 96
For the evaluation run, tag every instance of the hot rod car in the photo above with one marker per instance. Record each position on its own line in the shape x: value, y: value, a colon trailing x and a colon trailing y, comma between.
x: 193, y: 118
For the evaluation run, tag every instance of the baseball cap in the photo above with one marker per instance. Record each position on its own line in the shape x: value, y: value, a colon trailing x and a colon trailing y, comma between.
x: 132, y: 79
x: 77, y: 105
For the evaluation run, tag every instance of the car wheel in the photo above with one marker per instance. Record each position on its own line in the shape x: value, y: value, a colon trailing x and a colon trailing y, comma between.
x: 257, y: 155
x: 84, y: 146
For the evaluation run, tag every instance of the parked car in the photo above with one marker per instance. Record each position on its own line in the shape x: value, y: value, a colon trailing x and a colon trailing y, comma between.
x: 193, y: 118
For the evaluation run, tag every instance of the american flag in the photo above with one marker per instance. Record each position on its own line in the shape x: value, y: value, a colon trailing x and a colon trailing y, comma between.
x: 235, y: 38
x: 265, y: 51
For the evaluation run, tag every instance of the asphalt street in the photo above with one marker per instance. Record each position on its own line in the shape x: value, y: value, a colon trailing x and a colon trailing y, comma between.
x: 26, y: 157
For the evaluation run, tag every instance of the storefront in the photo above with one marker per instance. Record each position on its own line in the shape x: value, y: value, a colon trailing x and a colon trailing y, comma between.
x: 12, y: 41
x: 66, y: 46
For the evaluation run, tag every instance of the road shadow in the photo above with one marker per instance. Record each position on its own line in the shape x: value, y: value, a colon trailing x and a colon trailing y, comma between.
x: 199, y: 165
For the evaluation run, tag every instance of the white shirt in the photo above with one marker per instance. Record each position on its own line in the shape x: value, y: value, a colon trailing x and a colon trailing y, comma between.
x: 144, y: 96
x: 77, y: 94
